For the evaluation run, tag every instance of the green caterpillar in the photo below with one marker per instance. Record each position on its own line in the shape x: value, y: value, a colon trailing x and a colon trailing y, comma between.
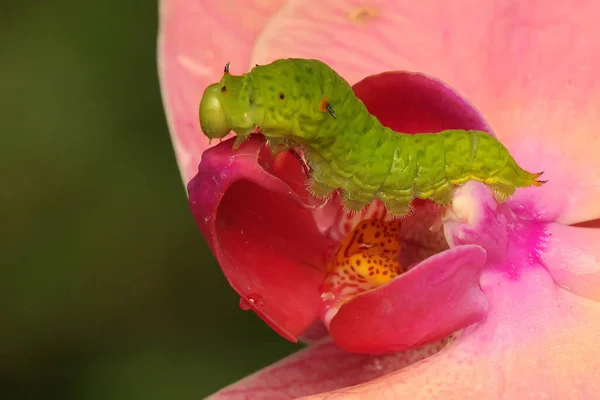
x: 304, y: 103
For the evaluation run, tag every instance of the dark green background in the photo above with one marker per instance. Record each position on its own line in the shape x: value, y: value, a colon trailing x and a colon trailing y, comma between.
x: 108, y: 291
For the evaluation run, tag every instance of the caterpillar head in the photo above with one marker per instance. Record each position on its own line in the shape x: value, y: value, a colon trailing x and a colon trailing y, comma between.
x: 224, y: 106
x: 285, y: 99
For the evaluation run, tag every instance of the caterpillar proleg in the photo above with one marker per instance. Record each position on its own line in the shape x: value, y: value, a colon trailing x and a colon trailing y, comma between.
x: 304, y: 103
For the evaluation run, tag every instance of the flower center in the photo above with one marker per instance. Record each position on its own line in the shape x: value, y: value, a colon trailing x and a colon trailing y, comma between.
x: 376, y: 251
x: 366, y: 258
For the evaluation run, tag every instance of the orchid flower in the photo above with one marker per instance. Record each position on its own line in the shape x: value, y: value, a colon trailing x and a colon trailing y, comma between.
x: 502, y: 301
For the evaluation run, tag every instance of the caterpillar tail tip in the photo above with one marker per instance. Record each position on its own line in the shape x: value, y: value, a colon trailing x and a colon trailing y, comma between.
x: 538, y: 182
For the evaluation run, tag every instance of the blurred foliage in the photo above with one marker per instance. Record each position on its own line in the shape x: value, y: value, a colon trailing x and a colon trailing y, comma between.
x: 108, y: 290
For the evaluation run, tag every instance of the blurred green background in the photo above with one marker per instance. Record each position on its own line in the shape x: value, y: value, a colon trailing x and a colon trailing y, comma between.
x: 108, y: 291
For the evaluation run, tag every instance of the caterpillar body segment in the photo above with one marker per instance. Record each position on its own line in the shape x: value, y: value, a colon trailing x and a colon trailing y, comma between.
x: 304, y: 103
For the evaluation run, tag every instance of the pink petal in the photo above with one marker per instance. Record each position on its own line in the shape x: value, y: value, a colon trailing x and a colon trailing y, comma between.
x: 320, y: 368
x: 572, y: 256
x: 529, y: 67
x: 196, y: 39
x: 435, y: 298
x: 539, y: 342
x: 245, y: 214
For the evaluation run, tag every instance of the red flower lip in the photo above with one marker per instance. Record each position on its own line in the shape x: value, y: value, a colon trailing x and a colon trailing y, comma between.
x: 246, y: 215
x: 427, y: 303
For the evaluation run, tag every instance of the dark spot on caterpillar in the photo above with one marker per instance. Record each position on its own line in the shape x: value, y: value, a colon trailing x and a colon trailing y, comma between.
x: 272, y: 108
x: 328, y: 107
x: 271, y: 88
x: 224, y: 89
x: 297, y: 79
x: 325, y: 106
x: 251, y: 100
x: 281, y: 96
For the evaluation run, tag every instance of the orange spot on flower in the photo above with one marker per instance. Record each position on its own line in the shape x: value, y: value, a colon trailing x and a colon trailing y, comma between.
x: 371, y: 250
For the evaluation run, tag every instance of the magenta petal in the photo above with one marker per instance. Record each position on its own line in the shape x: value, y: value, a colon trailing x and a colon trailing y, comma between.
x: 435, y: 298
x: 572, y: 256
x: 245, y: 213
x: 416, y: 103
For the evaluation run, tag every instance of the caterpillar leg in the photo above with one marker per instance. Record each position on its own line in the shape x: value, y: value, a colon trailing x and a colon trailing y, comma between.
x: 504, y: 182
x: 501, y: 191
x: 277, y: 145
x: 242, y: 134
x: 443, y: 194
x: 319, y: 189
x: 239, y: 140
x: 355, y: 205
x: 356, y: 201
x: 399, y: 209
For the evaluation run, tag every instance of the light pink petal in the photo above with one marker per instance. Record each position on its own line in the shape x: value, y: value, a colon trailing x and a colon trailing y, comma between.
x: 320, y: 368
x: 245, y: 214
x: 529, y: 67
x: 435, y: 298
x: 539, y: 342
x: 572, y: 255
x: 195, y: 41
